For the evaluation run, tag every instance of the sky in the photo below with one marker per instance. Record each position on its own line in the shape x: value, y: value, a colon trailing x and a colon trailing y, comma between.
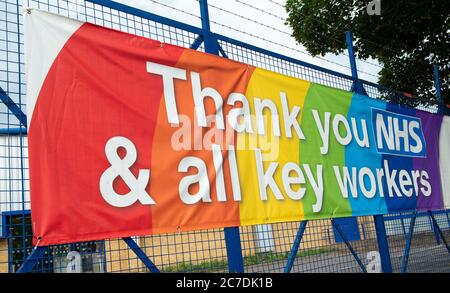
x: 258, y: 22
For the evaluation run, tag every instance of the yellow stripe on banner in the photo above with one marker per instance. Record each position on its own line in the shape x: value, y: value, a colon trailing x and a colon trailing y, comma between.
x: 268, y: 85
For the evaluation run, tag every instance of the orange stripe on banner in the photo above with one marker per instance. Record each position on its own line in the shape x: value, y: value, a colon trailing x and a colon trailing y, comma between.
x: 170, y: 214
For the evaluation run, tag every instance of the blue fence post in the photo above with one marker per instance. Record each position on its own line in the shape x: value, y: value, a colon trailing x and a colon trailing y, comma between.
x: 211, y: 45
x: 295, y: 247
x: 435, y: 228
x: 448, y: 218
x: 357, y: 86
x: 405, y: 257
x: 234, y: 250
x: 349, y: 246
x: 141, y: 254
x: 383, y: 245
x: 380, y: 228
x: 440, y: 233
x: 437, y: 85
x: 402, y: 220
x: 232, y: 235
x: 31, y: 261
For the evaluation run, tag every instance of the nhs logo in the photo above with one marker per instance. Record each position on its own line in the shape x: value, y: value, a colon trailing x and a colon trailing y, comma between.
x: 398, y: 134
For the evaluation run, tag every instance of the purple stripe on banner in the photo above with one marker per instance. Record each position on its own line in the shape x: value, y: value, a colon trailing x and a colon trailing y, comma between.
x: 431, y: 125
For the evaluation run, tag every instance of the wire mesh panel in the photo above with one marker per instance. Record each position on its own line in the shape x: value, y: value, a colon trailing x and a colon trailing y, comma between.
x: 198, y: 251
x: 284, y: 66
x: 15, y: 228
x: 265, y: 248
x: 319, y: 252
x: 427, y: 253
x: 11, y: 63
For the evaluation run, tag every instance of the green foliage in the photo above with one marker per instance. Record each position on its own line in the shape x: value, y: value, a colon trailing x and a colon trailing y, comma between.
x: 407, y: 38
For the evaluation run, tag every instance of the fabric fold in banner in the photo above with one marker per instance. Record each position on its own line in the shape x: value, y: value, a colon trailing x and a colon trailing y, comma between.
x: 129, y: 136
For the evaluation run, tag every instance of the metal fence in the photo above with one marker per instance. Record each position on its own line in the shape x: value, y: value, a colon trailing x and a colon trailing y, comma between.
x: 413, y: 242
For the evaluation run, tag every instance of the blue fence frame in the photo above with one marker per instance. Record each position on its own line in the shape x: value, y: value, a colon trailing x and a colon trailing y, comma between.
x: 300, y: 246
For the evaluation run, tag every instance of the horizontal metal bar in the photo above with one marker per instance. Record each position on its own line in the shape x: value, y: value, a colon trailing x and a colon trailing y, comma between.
x: 147, y: 15
x: 410, y: 215
x: 16, y: 130
x: 15, y: 213
x: 382, y: 87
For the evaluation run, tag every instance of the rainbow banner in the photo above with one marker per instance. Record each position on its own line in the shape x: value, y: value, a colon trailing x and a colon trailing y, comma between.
x: 129, y: 136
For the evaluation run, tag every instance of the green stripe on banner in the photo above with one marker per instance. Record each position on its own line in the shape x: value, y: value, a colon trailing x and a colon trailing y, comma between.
x: 324, y: 99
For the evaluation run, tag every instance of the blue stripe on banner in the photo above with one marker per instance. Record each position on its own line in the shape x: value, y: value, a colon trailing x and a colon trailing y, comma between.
x: 398, y: 202
x: 359, y: 157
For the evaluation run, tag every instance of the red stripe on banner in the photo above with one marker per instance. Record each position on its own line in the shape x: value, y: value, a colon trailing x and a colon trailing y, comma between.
x: 97, y: 88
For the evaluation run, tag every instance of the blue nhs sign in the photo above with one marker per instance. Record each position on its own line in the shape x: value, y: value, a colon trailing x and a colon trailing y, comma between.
x: 398, y: 134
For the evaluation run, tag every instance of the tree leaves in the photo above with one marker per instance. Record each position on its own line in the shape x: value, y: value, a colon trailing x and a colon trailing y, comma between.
x: 407, y: 38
